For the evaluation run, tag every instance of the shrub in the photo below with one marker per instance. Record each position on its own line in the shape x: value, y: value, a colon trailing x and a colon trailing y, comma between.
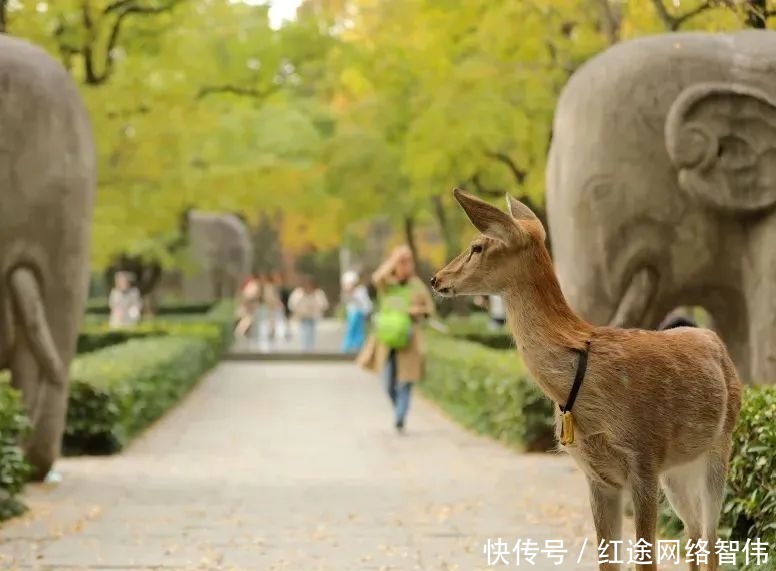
x: 100, y: 307
x: 13, y: 469
x: 94, y: 337
x: 117, y: 391
x: 477, y: 329
x: 216, y: 324
x: 488, y: 391
x: 749, y: 510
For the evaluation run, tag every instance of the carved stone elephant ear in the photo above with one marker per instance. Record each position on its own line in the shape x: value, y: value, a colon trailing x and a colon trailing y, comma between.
x: 721, y: 138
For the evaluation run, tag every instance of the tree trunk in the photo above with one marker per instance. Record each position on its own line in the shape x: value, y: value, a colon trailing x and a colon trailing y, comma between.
x: 3, y: 15
x: 452, y: 245
x: 409, y: 235
x: 756, y: 14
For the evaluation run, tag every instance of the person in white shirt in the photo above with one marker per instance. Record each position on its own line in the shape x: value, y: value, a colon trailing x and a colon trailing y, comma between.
x: 125, y: 302
x: 308, y: 303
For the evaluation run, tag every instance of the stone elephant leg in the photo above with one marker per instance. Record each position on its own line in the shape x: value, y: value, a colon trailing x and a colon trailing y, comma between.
x: 733, y: 331
x: 760, y: 286
x: 25, y: 373
x: 39, y: 371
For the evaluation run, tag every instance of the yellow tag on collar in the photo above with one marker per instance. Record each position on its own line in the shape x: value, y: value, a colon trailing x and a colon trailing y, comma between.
x: 567, y: 429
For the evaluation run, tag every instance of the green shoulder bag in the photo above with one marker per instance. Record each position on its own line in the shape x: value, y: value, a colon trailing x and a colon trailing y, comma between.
x: 393, y: 323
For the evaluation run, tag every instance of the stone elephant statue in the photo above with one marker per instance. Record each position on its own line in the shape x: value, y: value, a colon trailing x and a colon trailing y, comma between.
x: 221, y: 250
x: 47, y: 182
x: 661, y: 187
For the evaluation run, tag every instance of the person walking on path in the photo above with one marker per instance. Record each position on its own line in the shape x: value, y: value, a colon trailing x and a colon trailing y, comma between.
x: 358, y: 306
x: 124, y: 301
x: 281, y: 313
x: 395, y: 348
x: 269, y: 303
x: 247, y: 303
x: 308, y: 304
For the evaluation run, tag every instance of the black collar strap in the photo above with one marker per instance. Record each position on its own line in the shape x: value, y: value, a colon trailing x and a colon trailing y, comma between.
x: 578, y: 377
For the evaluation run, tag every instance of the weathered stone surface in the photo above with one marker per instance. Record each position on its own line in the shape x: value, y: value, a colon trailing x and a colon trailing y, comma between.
x: 662, y: 187
x: 220, y: 256
x: 47, y: 181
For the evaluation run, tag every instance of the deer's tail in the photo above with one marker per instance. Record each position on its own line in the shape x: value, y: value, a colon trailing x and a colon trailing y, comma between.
x: 733, y: 386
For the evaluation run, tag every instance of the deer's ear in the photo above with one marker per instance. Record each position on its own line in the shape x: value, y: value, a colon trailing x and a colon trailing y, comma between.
x: 526, y: 218
x: 518, y: 210
x: 488, y: 219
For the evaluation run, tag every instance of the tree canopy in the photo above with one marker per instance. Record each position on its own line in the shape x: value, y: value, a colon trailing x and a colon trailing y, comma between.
x: 357, y: 108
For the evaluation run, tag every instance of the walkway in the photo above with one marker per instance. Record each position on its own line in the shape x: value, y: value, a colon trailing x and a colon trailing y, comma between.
x: 296, y: 466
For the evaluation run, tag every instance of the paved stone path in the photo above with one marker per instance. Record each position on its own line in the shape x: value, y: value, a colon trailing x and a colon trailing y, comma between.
x: 296, y: 466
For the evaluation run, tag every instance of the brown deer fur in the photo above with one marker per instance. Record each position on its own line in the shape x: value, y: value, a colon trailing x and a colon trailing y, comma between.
x: 655, y: 408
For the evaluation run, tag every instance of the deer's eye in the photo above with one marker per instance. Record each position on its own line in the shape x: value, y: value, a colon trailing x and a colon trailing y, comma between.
x: 476, y: 248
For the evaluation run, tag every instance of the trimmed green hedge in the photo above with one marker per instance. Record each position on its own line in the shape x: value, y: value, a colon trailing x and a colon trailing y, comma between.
x: 118, y: 391
x: 218, y: 321
x: 488, y: 391
x: 749, y: 510
x: 477, y: 329
x: 14, y: 470
x: 100, y: 306
x: 93, y: 338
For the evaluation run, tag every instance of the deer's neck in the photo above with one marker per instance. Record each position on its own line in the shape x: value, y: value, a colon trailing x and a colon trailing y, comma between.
x: 545, y: 328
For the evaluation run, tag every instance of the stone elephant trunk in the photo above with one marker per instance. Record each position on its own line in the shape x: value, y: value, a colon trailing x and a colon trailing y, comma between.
x: 662, y: 187
x: 47, y: 181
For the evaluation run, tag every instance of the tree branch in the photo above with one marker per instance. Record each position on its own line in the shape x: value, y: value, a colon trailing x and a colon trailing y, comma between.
x: 756, y: 14
x: 124, y: 9
x: 611, y: 21
x: 482, y: 190
x: 117, y: 5
x: 518, y: 173
x: 3, y: 15
x: 673, y: 23
x: 236, y: 90
x: 139, y: 110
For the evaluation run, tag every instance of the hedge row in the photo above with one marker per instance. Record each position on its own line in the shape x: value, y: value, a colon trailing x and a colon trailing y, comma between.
x: 100, y: 307
x: 749, y: 511
x: 98, y: 334
x: 118, y: 391
x: 13, y: 469
x: 488, y: 391
x: 477, y: 329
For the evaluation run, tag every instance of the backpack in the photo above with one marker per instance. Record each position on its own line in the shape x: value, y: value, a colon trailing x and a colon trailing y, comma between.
x: 393, y: 323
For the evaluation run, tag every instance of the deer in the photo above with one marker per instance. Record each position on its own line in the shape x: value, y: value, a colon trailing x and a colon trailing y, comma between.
x: 652, y: 409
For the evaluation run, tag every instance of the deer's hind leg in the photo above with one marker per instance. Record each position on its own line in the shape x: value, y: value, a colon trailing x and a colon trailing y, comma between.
x: 712, y: 496
x: 683, y: 486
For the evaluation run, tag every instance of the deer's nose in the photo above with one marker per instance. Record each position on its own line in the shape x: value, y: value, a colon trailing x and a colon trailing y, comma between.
x: 433, y: 281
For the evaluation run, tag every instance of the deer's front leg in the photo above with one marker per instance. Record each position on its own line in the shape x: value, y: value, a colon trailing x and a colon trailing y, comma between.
x: 645, y: 493
x: 606, y: 503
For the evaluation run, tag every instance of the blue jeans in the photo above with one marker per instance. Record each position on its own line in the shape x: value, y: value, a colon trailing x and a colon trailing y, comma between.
x: 398, y: 392
x: 355, y: 332
x: 307, y: 334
